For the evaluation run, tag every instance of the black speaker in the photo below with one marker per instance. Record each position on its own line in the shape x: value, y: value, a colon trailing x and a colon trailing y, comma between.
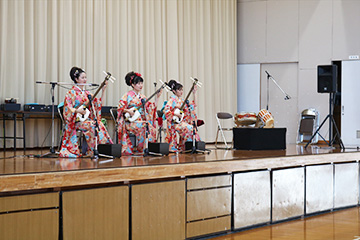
x: 200, y: 145
x: 162, y: 148
x: 110, y: 149
x: 327, y: 78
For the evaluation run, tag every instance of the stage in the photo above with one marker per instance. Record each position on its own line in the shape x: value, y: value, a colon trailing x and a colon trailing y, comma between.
x: 180, y: 195
x: 34, y: 172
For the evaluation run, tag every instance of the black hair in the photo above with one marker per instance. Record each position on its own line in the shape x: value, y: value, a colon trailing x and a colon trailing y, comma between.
x: 174, y: 85
x: 75, y: 73
x: 133, y: 78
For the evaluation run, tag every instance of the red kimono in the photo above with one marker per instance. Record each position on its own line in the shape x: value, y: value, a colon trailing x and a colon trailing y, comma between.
x: 74, y: 98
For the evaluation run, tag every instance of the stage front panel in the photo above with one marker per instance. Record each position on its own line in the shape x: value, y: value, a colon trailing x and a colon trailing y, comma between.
x: 346, y: 184
x: 208, y: 203
x: 158, y: 210
x: 31, y: 225
x: 252, y: 198
x: 27, y: 202
x: 101, y: 213
x: 288, y: 193
x: 209, y: 182
x: 208, y: 226
x: 319, y: 188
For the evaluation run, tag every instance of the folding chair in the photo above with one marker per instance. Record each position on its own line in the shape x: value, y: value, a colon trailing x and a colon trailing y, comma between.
x: 308, y: 124
x: 221, y: 116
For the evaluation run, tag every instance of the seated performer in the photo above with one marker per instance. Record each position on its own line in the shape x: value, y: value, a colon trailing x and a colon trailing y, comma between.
x: 76, y: 97
x: 135, y: 118
x: 185, y: 127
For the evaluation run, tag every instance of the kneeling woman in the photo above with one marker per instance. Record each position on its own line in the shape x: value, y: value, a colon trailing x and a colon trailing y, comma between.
x: 74, y: 98
x: 185, y: 127
x: 131, y: 105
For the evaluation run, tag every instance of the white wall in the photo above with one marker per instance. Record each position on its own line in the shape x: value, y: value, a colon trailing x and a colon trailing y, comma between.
x: 294, y: 37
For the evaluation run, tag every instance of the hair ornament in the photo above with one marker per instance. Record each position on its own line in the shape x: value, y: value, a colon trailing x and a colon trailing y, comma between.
x: 138, y: 74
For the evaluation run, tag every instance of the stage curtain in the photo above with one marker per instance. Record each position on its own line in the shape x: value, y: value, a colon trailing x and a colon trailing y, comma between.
x: 40, y: 40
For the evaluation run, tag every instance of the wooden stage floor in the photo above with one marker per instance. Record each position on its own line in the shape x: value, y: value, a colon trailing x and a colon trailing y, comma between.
x: 25, y: 170
x: 30, y: 161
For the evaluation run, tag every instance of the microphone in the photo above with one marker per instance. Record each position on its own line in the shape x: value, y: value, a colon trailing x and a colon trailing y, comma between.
x: 268, y: 73
x: 159, y: 113
x: 42, y: 82
x: 160, y: 121
x: 88, y: 84
x: 143, y: 102
x: 200, y: 122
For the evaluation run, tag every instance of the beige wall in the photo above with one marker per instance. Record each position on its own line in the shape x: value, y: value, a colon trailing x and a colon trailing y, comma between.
x: 289, y: 39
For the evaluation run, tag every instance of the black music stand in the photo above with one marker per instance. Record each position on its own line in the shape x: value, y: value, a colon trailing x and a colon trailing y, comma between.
x: 330, y: 116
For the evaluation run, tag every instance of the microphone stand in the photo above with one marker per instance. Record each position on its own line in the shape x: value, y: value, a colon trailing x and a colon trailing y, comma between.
x: 147, y: 131
x: 194, y: 148
x: 52, y: 152
x: 160, y: 126
x: 96, y: 152
x: 287, y: 96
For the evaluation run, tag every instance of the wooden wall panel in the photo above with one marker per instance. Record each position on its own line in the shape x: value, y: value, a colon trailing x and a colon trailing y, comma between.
x: 208, y: 226
x: 101, y: 213
x: 25, y: 202
x: 208, y: 203
x: 30, y: 225
x: 158, y: 210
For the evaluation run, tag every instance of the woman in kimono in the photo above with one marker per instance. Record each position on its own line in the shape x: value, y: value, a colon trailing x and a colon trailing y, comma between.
x: 75, y: 98
x: 135, y: 118
x: 185, y: 127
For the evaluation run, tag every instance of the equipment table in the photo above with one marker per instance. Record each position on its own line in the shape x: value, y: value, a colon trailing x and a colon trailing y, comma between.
x: 20, y: 116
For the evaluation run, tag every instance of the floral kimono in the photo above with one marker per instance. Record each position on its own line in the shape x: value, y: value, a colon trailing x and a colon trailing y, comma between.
x: 184, y: 128
x: 138, y: 127
x: 74, y: 98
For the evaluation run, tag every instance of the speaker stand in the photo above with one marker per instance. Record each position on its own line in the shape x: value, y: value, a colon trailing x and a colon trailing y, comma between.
x: 330, y: 116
